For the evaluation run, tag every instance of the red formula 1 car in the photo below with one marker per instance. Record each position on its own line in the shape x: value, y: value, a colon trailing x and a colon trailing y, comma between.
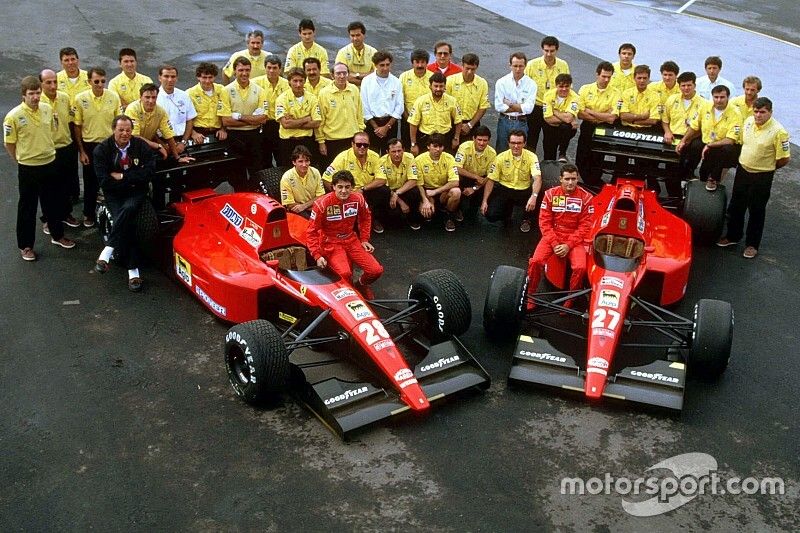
x: 639, y: 256
x: 243, y: 256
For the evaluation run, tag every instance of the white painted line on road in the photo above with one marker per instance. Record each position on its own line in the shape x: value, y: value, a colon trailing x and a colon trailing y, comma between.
x: 684, y: 6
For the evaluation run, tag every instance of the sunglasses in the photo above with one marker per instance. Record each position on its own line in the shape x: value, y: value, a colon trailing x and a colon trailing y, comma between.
x: 362, y: 145
x: 98, y: 82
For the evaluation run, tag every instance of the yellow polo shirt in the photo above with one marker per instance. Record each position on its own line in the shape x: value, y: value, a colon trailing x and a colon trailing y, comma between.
x: 468, y: 157
x: 431, y: 116
x: 515, y: 173
x: 357, y: 62
x: 593, y: 98
x: 95, y: 114
x: 470, y: 96
x: 727, y: 125
x: 621, y: 81
x: 128, y: 89
x: 434, y: 174
x: 289, y: 105
x: 32, y: 134
x: 678, y: 115
x: 397, y: 175
x: 763, y: 146
x: 149, y: 125
x: 72, y: 89
x: 247, y: 101
x: 296, y: 189
x: 414, y: 87
x: 62, y: 115
x: 315, y: 90
x: 207, y: 106
x: 272, y: 92
x: 257, y: 63
x: 568, y: 104
x: 634, y: 101
x: 347, y: 160
x: 298, y: 52
x: 739, y: 103
x: 342, y: 114
x: 664, y: 92
x: 544, y: 76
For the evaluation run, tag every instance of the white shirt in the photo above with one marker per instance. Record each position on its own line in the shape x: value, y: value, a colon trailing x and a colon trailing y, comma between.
x: 382, y: 97
x: 522, y: 92
x: 704, y: 86
x: 179, y: 108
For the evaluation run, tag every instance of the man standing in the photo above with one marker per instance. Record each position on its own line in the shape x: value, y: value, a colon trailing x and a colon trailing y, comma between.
x: 514, y: 98
x: 95, y: 109
x: 254, y: 53
x: 438, y: 182
x: 297, y: 112
x: 561, y: 118
x: 244, y: 110
x: 640, y: 104
x: 744, y: 103
x: 28, y: 136
x: 125, y: 165
x: 306, y: 48
x: 397, y: 167
x: 515, y: 178
x: 543, y: 71
x: 150, y: 123
x: 442, y: 63
x: 598, y: 104
x: 765, y: 148
x: 128, y: 82
x: 72, y: 80
x: 177, y: 104
x: 415, y: 82
x: 273, y: 86
x: 564, y: 220
x: 342, y: 115
x: 474, y: 159
x: 302, y: 184
x: 335, y: 240
x: 356, y: 55
x: 207, y: 98
x: 624, y: 68
x: 435, y: 112
x: 382, y: 101
x: 712, y: 78
x: 471, y: 93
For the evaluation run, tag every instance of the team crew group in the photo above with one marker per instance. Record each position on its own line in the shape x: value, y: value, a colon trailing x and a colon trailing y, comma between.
x: 414, y: 144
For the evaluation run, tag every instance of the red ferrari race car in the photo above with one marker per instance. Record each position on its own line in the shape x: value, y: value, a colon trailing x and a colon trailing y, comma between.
x: 243, y: 256
x: 639, y: 256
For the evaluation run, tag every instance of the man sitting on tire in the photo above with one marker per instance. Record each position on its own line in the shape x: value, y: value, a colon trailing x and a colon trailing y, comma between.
x: 124, y: 165
x: 565, y: 219
x: 333, y: 238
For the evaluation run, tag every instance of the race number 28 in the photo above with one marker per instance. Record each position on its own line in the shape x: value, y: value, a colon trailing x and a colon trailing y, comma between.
x: 373, y: 331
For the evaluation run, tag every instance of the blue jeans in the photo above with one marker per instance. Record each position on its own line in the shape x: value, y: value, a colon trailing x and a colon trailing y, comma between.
x: 504, y: 127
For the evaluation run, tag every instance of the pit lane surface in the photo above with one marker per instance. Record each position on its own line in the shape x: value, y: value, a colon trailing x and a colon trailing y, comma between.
x: 115, y: 413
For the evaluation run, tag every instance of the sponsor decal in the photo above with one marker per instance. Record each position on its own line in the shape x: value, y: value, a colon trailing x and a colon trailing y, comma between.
x: 253, y: 209
x: 640, y: 218
x: 543, y: 356
x: 333, y: 212
x: 623, y: 223
x: 380, y: 345
x: 313, y: 216
x: 252, y: 233
x: 341, y: 294
x: 658, y: 376
x: 608, y: 298
x: 403, y: 374
x: 220, y: 310
x: 574, y: 205
x: 603, y: 332
x: 441, y: 363
x: 286, y: 317
x: 346, y: 395
x: 183, y: 269
x: 598, y: 362
x: 559, y: 201
x: 230, y: 214
x: 303, y: 290
x: 613, y: 281
x: 636, y: 136
x: 350, y: 209
x: 358, y: 309
x: 405, y: 384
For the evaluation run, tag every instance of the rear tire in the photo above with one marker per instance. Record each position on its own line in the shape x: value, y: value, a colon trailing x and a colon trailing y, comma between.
x: 269, y: 181
x: 257, y: 361
x: 504, y: 306
x: 449, y: 307
x: 704, y: 211
x: 712, y: 337
x: 147, y: 226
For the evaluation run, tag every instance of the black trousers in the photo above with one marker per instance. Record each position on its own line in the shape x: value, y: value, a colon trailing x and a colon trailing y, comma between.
x: 502, y: 202
x: 470, y: 204
x: 717, y: 158
x: 381, y: 144
x: 123, y: 232
x: 90, y: 185
x: 590, y: 173
x: 270, y: 143
x: 751, y: 192
x: 556, y: 140
x: 423, y: 138
x: 36, y: 185
x: 62, y: 185
x: 535, y: 124
x: 248, y: 144
x: 378, y: 200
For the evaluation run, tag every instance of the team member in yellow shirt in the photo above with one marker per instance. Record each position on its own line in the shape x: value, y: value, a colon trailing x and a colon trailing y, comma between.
x: 297, y: 112
x: 561, y: 118
x: 435, y: 112
x: 254, y: 53
x: 514, y: 179
x: 273, y: 86
x: 415, y: 82
x: 744, y: 103
x: 639, y: 104
x: 207, y: 97
x: 364, y: 165
x: 342, y: 115
x: 244, y: 110
x: 471, y: 93
x: 543, y: 70
x: 668, y: 84
x: 306, y: 48
x: 28, y: 136
x: 128, y: 82
x: 301, y: 184
x: 72, y: 80
x: 474, y: 159
x: 765, y: 148
x: 314, y: 81
x: 151, y: 123
x: 682, y: 108
x: 623, y: 77
x: 598, y: 104
x: 356, y: 55
x: 399, y: 170
x: 438, y: 180
x: 94, y: 111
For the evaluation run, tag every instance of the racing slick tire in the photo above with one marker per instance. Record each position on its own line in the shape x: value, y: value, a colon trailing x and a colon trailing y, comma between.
x: 704, y: 210
x: 551, y: 175
x: 503, y: 308
x: 449, y: 308
x: 269, y: 181
x: 104, y: 221
x: 257, y: 361
x: 712, y: 336
x: 147, y: 228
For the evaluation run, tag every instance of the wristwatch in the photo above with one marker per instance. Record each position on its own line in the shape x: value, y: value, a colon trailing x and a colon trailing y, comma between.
x: 413, y: 144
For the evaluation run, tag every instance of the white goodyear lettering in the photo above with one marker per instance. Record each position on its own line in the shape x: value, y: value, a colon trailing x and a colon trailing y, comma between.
x: 341, y: 294
x: 252, y: 233
x: 183, y: 269
x: 658, y: 376
x: 358, y: 309
x: 443, y: 362
x: 237, y: 338
x: 230, y: 214
x: 542, y: 356
x: 346, y: 395
x: 609, y: 298
x: 613, y: 281
x: 439, y: 313
x: 214, y: 306
x: 350, y: 209
x: 333, y: 212
x: 635, y: 136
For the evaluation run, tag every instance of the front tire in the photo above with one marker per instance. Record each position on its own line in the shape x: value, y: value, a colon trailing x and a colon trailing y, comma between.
x: 449, y: 307
x: 712, y: 337
x: 257, y: 361
x: 504, y: 306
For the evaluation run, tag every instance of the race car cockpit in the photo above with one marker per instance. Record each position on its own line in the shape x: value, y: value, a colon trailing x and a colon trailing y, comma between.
x: 617, y: 252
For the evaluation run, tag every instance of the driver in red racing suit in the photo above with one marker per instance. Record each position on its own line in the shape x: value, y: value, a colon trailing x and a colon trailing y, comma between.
x: 332, y: 238
x: 565, y: 219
